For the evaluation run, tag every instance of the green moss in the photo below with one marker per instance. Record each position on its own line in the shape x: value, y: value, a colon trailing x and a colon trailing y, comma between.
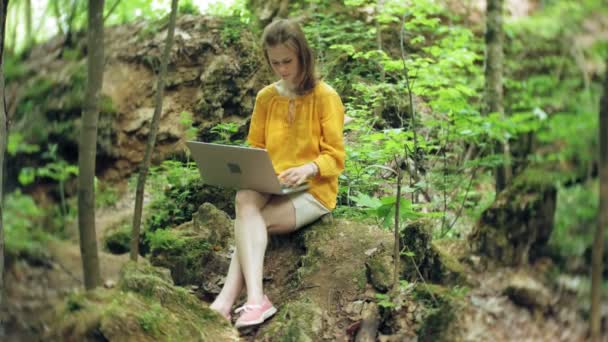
x: 182, y: 252
x: 296, y: 321
x: 77, y: 316
x: 144, y: 307
x: 361, y: 278
x: 118, y: 241
x: 75, y: 302
x: 379, y: 272
x: 442, y: 305
x: 152, y: 319
x: 449, y: 269
x: 319, y: 237
x: 106, y: 105
x: 180, y: 201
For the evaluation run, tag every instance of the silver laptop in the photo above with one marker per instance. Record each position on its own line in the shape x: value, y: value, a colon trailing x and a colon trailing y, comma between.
x: 238, y: 167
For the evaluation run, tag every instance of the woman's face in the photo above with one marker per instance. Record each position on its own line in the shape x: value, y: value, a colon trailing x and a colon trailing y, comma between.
x: 284, y: 62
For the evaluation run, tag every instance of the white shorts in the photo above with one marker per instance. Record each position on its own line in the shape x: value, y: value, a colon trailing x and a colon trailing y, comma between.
x: 307, y: 208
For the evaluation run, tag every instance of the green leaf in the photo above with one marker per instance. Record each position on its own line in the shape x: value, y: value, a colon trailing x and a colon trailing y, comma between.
x: 27, y: 176
x: 365, y: 201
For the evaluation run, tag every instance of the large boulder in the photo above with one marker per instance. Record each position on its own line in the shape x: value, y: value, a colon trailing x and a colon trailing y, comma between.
x: 332, y: 272
x: 145, y: 306
x: 196, y: 252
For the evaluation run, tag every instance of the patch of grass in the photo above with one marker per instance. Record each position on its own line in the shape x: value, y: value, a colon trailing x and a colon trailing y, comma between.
x: 150, y: 320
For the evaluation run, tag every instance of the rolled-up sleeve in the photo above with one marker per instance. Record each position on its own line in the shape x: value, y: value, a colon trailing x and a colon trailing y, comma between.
x: 331, y: 158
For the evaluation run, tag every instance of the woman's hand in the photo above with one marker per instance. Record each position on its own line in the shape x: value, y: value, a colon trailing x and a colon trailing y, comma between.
x: 298, y: 175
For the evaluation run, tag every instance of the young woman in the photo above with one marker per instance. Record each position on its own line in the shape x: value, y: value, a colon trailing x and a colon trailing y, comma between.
x: 299, y: 120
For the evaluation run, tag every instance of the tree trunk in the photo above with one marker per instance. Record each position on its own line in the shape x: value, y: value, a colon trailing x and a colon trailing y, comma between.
x: 14, y: 15
x: 141, y: 180
x: 111, y: 10
x: 29, y: 38
x: 493, y: 85
x: 397, y: 247
x: 3, y: 141
x: 57, y: 13
x: 598, y: 242
x: 74, y: 7
x: 378, y: 108
x: 88, y: 147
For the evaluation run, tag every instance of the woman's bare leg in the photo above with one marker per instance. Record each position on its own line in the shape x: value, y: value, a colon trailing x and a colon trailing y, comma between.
x: 231, y: 290
x: 251, y: 239
x: 278, y: 216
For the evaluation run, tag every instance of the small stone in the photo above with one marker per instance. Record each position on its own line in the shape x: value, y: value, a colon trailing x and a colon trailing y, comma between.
x: 371, y: 251
x: 526, y: 291
x: 354, y: 307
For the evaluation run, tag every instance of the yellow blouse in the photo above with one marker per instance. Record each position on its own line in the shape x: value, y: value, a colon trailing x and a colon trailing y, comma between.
x: 315, y: 135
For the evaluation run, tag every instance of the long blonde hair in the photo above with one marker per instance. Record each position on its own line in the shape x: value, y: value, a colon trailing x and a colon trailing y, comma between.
x: 289, y: 32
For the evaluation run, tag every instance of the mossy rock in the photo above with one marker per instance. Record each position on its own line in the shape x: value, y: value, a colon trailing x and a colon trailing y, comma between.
x: 118, y: 240
x: 448, y: 268
x: 182, y: 201
x: 520, y: 221
x: 300, y: 321
x: 379, y: 269
x: 415, y: 241
x: 213, y: 224
x: 314, y: 237
x: 51, y: 109
x: 442, y: 304
x: 183, y: 252
x: 433, y: 259
x: 146, y: 306
x: 229, y: 85
x: 190, y: 250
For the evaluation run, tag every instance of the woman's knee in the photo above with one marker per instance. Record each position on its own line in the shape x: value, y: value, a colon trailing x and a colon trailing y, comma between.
x: 249, y: 200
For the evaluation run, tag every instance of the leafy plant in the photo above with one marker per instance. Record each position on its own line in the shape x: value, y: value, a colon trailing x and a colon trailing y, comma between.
x: 384, y: 208
x: 384, y: 301
x: 56, y: 169
x: 22, y: 222
x: 225, y: 131
x: 575, y: 218
x: 18, y: 144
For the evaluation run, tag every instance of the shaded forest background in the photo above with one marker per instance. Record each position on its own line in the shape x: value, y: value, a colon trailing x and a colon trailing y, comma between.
x: 411, y: 76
